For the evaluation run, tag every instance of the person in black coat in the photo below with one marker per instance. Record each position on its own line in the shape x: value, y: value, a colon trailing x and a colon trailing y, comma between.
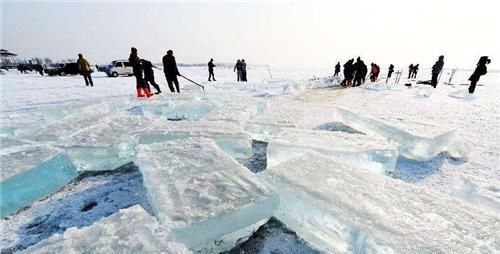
x: 361, y: 70
x: 337, y: 69
x: 137, y: 70
x: 171, y: 71
x: 480, y: 70
x: 415, y: 71
x: 211, y: 66
x: 436, y: 70
x: 391, y: 70
x: 348, y: 73
x: 149, y: 75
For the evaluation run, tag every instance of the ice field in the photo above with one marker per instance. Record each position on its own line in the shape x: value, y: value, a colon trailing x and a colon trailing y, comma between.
x: 289, y: 164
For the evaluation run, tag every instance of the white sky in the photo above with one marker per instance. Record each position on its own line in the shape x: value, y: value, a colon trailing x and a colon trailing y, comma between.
x: 289, y: 34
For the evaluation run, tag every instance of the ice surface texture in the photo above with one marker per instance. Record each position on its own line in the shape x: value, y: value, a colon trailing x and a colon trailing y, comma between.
x: 210, y: 198
x: 30, y: 173
x: 131, y: 230
x: 360, y: 150
x: 418, y: 141
x: 399, y: 216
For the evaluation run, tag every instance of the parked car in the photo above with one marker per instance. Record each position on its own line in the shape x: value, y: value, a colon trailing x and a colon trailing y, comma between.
x: 119, y: 67
x: 62, y: 69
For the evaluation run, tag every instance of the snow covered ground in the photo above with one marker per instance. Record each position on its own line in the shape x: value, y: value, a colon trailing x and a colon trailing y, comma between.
x: 103, y: 126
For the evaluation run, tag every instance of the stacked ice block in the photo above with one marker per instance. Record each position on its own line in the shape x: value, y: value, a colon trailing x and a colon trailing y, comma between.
x: 337, y: 208
x: 359, y: 150
x: 418, y: 141
x: 131, y: 230
x: 211, y: 200
x: 29, y: 173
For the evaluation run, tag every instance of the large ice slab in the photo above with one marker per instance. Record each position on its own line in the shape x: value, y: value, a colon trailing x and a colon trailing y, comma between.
x: 359, y: 150
x: 210, y: 198
x: 238, y: 110
x: 106, y: 145
x: 179, y: 107
x: 330, y: 205
x: 30, y: 173
x: 77, y: 110
x: 418, y: 141
x: 131, y: 230
x: 230, y: 137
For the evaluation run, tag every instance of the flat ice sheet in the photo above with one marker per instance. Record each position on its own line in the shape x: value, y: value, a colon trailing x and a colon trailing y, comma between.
x: 406, y: 217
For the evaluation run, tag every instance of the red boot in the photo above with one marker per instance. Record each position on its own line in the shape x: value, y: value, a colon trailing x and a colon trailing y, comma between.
x: 147, y: 92
x: 139, y: 93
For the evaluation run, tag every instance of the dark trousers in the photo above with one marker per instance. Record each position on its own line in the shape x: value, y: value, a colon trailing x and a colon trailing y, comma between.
x: 87, y: 78
x: 151, y: 81
x: 472, y: 86
x: 140, y: 82
x: 336, y: 73
x: 170, y: 80
x: 434, y: 80
x: 389, y: 74
x: 358, y: 80
x: 211, y: 75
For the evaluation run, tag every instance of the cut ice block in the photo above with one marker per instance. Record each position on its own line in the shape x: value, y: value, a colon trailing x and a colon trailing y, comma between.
x: 87, y: 109
x: 211, y: 200
x: 131, y: 230
x: 228, y: 136
x: 398, y: 215
x: 180, y: 108
x: 265, y: 126
x: 237, y: 111
x: 108, y: 144
x: 418, y: 141
x: 359, y: 150
x: 30, y: 173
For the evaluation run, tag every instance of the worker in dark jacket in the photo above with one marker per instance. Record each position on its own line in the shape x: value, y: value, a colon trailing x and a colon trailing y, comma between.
x: 149, y: 76
x: 348, y: 73
x: 415, y: 71
x: 391, y: 70
x: 337, y: 69
x: 171, y: 71
x: 436, y: 70
x: 361, y: 71
x: 480, y: 70
x: 211, y: 66
x: 137, y: 70
x: 410, y: 70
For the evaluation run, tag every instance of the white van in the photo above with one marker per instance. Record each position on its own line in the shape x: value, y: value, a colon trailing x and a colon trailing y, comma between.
x: 119, y: 67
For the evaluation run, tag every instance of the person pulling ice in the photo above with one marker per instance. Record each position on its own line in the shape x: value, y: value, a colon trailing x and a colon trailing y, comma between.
x: 436, y: 70
x: 84, y: 68
x: 480, y: 70
x: 149, y: 76
x: 137, y: 70
x: 375, y: 70
x: 171, y: 71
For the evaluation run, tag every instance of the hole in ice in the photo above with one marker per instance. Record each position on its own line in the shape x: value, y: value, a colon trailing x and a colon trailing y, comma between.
x: 176, y: 119
x: 258, y: 161
x: 273, y: 237
x: 89, y: 206
x: 75, y: 205
x: 337, y: 126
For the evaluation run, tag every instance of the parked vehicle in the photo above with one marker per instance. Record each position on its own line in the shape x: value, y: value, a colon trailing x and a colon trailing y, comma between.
x: 62, y: 69
x: 119, y: 67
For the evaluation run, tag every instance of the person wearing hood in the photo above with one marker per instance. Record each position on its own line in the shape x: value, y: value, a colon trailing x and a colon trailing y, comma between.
x: 137, y: 70
x: 211, y: 66
x: 391, y: 70
x: 481, y: 70
x: 171, y: 71
x: 84, y: 68
x: 415, y: 71
x: 149, y: 76
x: 436, y: 70
x: 337, y: 69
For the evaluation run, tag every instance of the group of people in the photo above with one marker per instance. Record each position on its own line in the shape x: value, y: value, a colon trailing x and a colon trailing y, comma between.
x: 241, y: 70
x: 355, y: 72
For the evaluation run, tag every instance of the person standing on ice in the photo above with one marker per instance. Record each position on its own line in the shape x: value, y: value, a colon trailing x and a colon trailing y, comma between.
x: 84, y: 68
x: 211, y: 66
x: 375, y: 70
x: 361, y: 71
x: 415, y: 70
x: 243, y: 70
x: 237, y: 68
x: 436, y: 70
x: 391, y: 70
x: 348, y: 73
x: 171, y: 71
x: 149, y: 76
x: 410, y: 70
x: 137, y: 70
x: 337, y: 69
x: 480, y: 70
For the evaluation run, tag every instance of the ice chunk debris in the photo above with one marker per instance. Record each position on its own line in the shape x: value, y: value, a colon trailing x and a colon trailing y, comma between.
x: 400, y: 216
x: 228, y: 136
x: 30, y: 173
x: 418, y: 141
x: 359, y: 150
x: 131, y: 230
x: 211, y: 200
